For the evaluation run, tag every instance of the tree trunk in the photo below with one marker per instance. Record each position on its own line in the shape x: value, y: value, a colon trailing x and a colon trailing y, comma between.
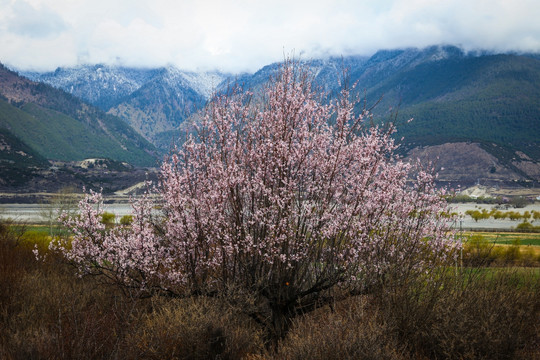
x: 279, y: 325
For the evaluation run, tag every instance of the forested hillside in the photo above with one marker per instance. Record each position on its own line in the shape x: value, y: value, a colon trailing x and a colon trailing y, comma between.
x: 59, y: 126
x: 483, y: 99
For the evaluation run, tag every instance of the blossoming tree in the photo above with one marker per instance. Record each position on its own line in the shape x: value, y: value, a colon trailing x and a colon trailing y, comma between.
x: 279, y: 196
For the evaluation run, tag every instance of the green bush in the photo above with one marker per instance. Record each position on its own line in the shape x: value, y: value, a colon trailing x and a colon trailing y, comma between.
x: 512, y: 253
x: 477, y: 251
x: 501, y: 215
x: 108, y: 218
x: 525, y: 225
x: 460, y: 198
x: 126, y: 220
x: 514, y: 215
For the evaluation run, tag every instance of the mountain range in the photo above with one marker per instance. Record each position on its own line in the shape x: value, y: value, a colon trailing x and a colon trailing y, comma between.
x: 477, y: 108
x: 152, y: 101
x: 39, y: 123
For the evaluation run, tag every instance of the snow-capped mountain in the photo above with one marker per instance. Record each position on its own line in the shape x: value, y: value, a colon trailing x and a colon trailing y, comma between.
x: 100, y: 85
x: 105, y: 86
x: 161, y: 104
x: 204, y: 83
x: 367, y: 72
x: 150, y: 100
x: 59, y: 126
x: 158, y: 100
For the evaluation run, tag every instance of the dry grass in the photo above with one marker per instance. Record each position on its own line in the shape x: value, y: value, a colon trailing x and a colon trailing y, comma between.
x: 355, y: 330
x: 198, y: 328
x: 46, y: 312
x: 479, y: 315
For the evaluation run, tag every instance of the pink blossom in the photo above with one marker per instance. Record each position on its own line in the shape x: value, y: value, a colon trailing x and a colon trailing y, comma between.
x: 273, y: 188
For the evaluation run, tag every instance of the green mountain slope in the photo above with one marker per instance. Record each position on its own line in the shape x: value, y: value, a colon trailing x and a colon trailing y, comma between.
x: 62, y: 127
x: 18, y: 162
x: 57, y: 136
x: 485, y: 99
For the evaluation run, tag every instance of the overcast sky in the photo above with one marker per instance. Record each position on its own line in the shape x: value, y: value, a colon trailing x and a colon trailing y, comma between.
x: 245, y: 35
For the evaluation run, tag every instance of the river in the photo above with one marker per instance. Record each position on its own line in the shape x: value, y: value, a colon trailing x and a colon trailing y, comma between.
x: 32, y: 213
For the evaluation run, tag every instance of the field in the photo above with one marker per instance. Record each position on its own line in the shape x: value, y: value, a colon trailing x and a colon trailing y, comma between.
x: 508, y: 238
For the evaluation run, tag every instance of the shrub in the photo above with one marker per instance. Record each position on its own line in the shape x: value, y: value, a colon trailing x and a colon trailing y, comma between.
x: 512, y: 253
x: 519, y: 202
x: 513, y: 215
x: 197, y: 328
x: 108, y: 218
x: 354, y: 330
x: 525, y: 225
x: 47, y: 312
x: 477, y: 251
x: 126, y: 220
x: 60, y: 317
x: 283, y: 198
x: 15, y: 261
x: 476, y: 314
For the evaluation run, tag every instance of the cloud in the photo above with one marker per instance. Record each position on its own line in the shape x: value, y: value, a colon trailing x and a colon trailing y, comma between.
x: 28, y: 21
x: 243, y: 35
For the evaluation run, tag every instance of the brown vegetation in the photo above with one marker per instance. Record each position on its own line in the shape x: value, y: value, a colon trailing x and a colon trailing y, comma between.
x: 47, y: 312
